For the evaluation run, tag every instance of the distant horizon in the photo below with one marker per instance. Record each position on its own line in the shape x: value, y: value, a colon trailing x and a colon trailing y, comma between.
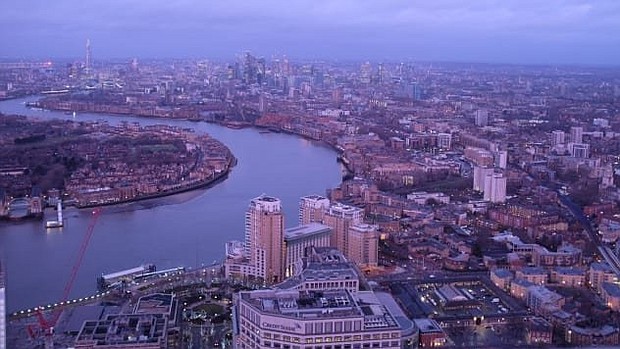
x: 522, y: 32
x: 303, y: 60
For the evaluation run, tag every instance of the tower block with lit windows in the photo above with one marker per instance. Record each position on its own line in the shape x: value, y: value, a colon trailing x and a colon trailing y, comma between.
x: 264, y: 238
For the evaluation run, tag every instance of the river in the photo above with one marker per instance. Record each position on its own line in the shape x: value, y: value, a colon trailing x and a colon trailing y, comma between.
x: 187, y: 229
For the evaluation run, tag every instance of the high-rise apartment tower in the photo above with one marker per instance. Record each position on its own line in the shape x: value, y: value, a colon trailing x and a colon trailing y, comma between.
x: 264, y: 238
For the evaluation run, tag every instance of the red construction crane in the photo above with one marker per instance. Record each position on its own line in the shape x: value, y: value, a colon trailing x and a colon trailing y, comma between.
x: 47, y: 326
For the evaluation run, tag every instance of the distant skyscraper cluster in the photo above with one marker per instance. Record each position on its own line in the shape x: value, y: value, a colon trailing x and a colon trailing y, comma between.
x: 272, y: 253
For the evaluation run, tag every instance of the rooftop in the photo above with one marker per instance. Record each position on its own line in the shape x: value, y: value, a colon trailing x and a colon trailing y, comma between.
x: 266, y: 198
x: 601, y: 267
x: 156, y: 303
x: 343, y: 209
x: 328, y: 263
x: 570, y: 271
x: 611, y: 289
x: 533, y: 271
x: 544, y: 294
x: 303, y: 304
x: 540, y: 324
x: 451, y: 293
x: 314, y: 197
x: 305, y: 230
x: 124, y: 329
x: 406, y: 325
x: 76, y: 317
x: 312, y: 305
x: 597, y: 331
x: 427, y: 325
x: 522, y: 282
x: 503, y: 273
x: 323, y: 263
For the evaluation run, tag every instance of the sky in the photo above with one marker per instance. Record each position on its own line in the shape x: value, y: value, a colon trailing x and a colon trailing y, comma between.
x: 488, y: 31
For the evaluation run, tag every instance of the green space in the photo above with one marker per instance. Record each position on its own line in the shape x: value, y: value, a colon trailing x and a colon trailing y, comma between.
x: 210, y: 309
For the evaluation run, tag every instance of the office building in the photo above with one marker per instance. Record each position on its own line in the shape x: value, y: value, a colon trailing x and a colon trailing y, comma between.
x: 144, y: 331
x: 312, y: 208
x: 2, y: 307
x: 495, y: 188
x: 576, y: 134
x: 264, y: 238
x: 319, y: 319
x: 340, y: 218
x: 363, y: 245
x: 152, y: 324
x: 320, y: 308
x: 298, y: 239
x: 325, y: 268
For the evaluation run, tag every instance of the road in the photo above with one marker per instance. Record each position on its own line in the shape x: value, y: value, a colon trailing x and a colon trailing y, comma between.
x: 606, y: 252
x: 196, y: 337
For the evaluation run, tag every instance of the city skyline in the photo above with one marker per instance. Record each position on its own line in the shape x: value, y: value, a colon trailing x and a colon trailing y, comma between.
x: 480, y: 202
x: 521, y: 32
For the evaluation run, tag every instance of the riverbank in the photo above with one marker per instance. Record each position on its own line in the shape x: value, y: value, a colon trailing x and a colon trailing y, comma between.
x: 26, y: 218
x: 229, y: 124
x: 341, y: 158
x: 235, y: 125
x: 218, y: 178
x: 150, y: 112
x: 105, y: 164
x: 158, y: 114
x: 188, y: 229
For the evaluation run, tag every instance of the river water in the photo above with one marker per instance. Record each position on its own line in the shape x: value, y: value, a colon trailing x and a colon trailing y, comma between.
x: 188, y: 229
